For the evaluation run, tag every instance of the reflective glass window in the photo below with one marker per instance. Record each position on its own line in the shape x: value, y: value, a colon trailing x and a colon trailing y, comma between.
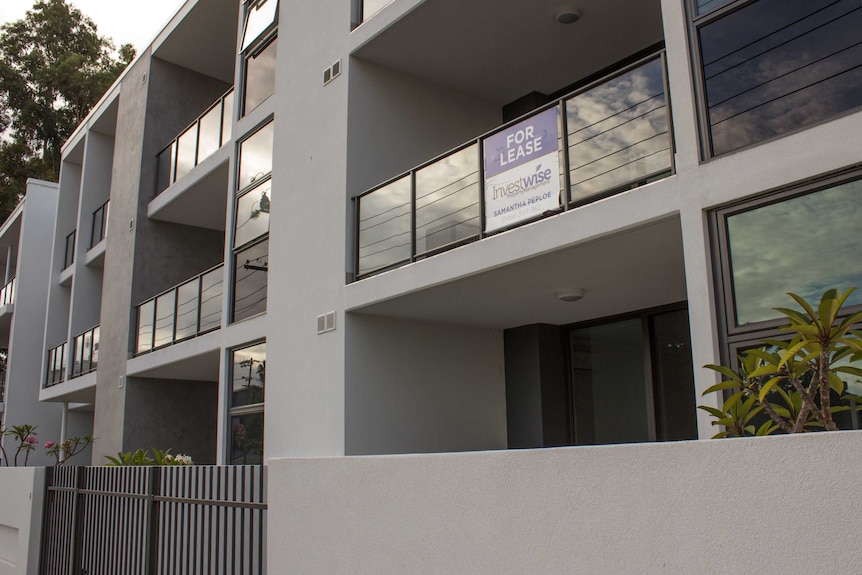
x: 250, y: 281
x: 260, y: 16
x: 227, y: 115
x: 210, y: 133
x: 246, y: 439
x: 252, y: 213
x: 248, y: 375
x: 186, y: 152
x: 775, y: 66
x: 94, y: 360
x: 255, y: 157
x: 804, y: 245
x: 704, y: 6
x: 86, y: 351
x: 259, y: 76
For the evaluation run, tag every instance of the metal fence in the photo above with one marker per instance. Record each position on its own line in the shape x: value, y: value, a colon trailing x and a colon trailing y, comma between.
x: 154, y: 521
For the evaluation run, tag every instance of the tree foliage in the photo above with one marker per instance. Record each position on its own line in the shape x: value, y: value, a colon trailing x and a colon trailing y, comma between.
x: 54, y: 67
x: 793, y: 381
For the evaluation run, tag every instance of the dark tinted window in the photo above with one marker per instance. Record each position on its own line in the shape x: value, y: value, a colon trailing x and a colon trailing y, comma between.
x: 778, y: 65
x: 250, y: 277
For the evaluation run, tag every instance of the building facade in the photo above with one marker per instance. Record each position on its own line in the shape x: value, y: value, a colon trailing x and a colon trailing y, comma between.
x: 491, y: 225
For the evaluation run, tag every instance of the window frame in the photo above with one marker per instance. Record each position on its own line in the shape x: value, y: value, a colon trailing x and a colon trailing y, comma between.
x: 238, y: 411
x: 264, y: 41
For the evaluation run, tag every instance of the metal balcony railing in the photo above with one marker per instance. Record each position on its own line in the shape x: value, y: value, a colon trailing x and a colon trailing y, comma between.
x: 7, y: 293
x: 56, y: 365
x: 99, y: 228
x: 69, y: 254
x: 85, y: 350
x: 185, y: 311
x: 610, y: 136
x: 200, y: 140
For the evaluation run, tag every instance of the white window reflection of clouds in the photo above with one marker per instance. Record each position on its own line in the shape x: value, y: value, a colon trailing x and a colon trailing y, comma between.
x: 803, y: 245
x: 259, y: 18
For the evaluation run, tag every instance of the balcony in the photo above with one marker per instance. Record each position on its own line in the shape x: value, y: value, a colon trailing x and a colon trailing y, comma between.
x: 99, y: 227
x: 56, y: 365
x: 182, y: 312
x: 69, y: 252
x: 85, y: 348
x: 199, y: 141
x: 7, y: 293
x: 610, y: 136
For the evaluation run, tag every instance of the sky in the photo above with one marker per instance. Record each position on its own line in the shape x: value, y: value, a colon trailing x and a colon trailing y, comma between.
x: 125, y: 21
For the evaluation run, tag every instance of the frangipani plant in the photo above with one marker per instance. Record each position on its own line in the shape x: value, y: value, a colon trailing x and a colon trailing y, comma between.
x: 792, y: 381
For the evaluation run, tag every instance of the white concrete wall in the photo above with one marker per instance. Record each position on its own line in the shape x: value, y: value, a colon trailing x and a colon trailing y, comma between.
x: 417, y: 387
x: 21, y: 497
x: 26, y: 340
x: 772, y: 505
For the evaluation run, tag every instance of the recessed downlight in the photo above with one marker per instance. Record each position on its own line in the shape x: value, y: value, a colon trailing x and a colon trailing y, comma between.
x: 570, y: 295
x: 567, y: 16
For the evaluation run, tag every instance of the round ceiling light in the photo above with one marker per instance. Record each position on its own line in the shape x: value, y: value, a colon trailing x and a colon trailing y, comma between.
x: 570, y: 295
x: 567, y: 16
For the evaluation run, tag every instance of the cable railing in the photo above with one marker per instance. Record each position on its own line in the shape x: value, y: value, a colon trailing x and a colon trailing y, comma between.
x: 7, y: 293
x: 187, y: 310
x: 99, y: 228
x: 610, y: 136
x: 85, y: 350
x: 209, y: 132
x: 56, y: 372
x: 69, y: 253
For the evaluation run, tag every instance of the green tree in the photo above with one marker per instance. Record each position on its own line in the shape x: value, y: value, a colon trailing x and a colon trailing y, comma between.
x: 54, y: 67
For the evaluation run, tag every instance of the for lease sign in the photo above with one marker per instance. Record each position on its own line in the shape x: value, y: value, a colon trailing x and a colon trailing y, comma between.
x: 522, y: 171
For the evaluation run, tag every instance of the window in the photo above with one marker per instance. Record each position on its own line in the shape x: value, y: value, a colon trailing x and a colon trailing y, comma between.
x: 252, y: 213
x: 250, y: 281
x: 259, y: 17
x: 255, y: 157
x: 247, y: 394
x: 771, y: 67
x: 803, y: 243
x: 259, y: 76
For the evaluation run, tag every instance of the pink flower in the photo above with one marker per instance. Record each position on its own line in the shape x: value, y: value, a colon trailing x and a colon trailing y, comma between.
x: 49, y: 444
x: 31, y: 439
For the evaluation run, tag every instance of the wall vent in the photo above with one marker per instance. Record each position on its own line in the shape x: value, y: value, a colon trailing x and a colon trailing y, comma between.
x: 326, y: 322
x: 332, y: 73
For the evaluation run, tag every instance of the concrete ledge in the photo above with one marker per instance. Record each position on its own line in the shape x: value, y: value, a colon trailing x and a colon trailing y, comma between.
x: 766, y: 505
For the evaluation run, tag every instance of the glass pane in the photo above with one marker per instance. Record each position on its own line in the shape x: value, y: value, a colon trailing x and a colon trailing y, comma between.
x: 227, y: 118
x: 447, y: 200
x: 98, y: 222
x: 255, y: 157
x: 187, y: 144
x: 384, y: 226
x: 211, y: 299
x: 673, y: 372
x: 371, y: 7
x: 94, y: 360
x: 259, y: 18
x: 780, y: 65
x: 248, y: 375
x: 86, y: 350
x: 609, y: 384
x: 187, y: 309
x: 69, y: 257
x: 704, y: 6
x: 63, y: 357
x: 252, y: 214
x: 210, y: 133
x: 165, y: 306
x: 259, y: 77
x: 618, y: 133
x: 145, y: 326
x: 77, y: 349
x: 49, y: 376
x: 250, y: 279
x: 166, y: 168
x: 246, y: 444
x: 803, y: 245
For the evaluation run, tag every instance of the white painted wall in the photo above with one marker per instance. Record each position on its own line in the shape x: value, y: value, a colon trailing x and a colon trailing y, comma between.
x: 416, y: 387
x: 21, y: 498
x: 771, y: 505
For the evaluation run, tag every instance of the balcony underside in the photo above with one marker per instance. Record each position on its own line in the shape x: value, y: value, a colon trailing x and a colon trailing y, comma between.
x: 199, y: 199
x: 193, y: 360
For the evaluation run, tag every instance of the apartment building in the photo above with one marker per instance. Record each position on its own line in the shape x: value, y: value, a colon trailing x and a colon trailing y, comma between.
x: 491, y: 225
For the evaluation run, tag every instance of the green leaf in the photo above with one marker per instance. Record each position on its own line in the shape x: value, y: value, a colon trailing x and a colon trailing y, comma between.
x: 732, y: 400
x: 763, y: 370
x: 836, y: 384
x: 721, y: 386
x: 791, y: 352
x: 725, y: 371
x: 712, y: 411
x: 848, y: 369
x: 768, y: 387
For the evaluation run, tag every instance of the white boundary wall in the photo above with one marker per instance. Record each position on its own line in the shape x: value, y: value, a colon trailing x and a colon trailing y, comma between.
x: 21, y: 497
x: 762, y: 505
